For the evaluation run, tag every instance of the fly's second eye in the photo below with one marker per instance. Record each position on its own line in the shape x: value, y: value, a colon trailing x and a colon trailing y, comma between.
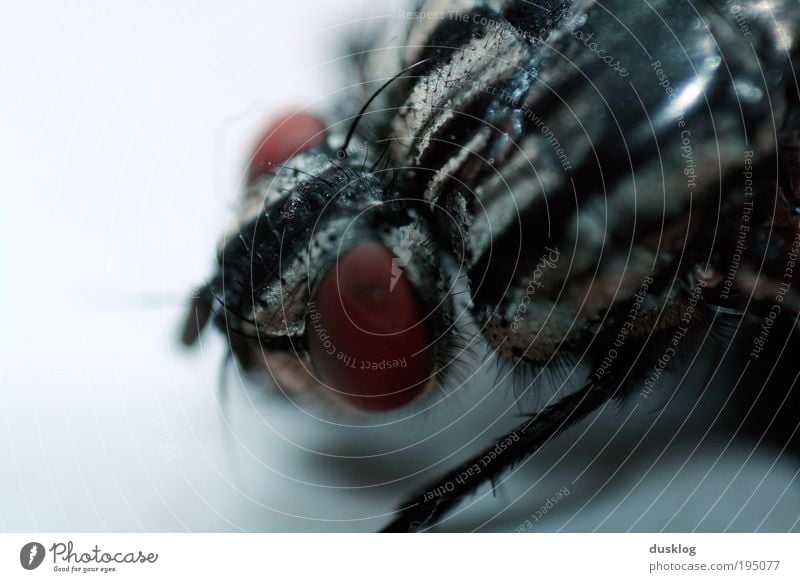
x: 286, y: 137
x: 367, y: 335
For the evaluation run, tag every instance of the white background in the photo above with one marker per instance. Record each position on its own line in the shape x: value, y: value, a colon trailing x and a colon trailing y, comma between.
x: 123, y: 130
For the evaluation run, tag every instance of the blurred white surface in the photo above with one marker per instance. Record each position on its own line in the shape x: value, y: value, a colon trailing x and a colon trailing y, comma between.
x: 123, y: 128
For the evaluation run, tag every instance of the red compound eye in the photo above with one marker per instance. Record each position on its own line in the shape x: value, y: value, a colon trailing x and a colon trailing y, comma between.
x: 366, y: 334
x: 289, y: 135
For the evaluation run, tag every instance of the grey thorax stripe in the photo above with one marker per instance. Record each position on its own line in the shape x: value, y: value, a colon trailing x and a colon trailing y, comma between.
x: 476, y: 73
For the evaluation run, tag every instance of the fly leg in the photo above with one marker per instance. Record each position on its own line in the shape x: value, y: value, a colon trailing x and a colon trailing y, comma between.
x: 607, y: 383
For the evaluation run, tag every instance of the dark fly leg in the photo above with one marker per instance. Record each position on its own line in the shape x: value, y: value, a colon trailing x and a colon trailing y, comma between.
x: 201, y: 306
x: 429, y: 505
